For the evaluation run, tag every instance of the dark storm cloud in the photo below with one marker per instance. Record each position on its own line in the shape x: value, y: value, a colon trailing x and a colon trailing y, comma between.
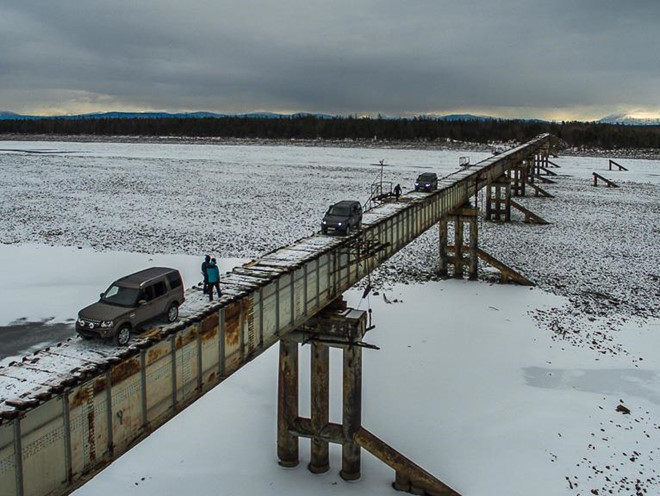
x: 370, y: 56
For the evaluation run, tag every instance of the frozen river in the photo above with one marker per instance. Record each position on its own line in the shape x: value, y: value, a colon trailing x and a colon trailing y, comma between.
x: 472, y: 378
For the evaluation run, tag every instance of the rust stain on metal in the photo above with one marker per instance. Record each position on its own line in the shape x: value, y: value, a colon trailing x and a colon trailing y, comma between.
x: 183, y: 339
x: 154, y: 354
x: 124, y: 370
x: 81, y: 396
x: 208, y: 336
x: 210, y: 323
x: 232, y: 323
x: 211, y: 377
x: 91, y: 437
x: 248, y: 311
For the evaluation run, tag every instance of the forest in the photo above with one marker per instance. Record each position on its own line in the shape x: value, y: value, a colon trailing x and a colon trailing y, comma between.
x: 310, y: 127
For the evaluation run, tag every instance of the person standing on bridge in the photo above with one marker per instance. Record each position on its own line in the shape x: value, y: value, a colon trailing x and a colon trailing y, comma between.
x: 205, y: 265
x: 397, y: 191
x: 213, y: 278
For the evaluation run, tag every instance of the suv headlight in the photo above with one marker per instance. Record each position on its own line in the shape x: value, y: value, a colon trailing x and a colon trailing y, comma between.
x: 324, y: 222
x: 81, y: 322
x: 107, y: 323
x: 339, y: 223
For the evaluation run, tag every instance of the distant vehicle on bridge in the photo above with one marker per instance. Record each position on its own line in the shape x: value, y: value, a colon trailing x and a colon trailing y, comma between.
x: 130, y: 302
x: 427, y: 182
x: 343, y: 217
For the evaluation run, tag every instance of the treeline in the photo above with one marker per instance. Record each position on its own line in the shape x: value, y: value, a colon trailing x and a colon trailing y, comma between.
x: 580, y: 134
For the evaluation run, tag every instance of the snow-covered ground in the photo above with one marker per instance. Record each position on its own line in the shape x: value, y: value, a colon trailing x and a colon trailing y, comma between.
x: 494, y: 389
x: 51, y: 283
x: 188, y: 199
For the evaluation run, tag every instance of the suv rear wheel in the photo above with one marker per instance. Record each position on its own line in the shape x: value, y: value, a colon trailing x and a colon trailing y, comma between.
x: 123, y: 335
x: 173, y: 313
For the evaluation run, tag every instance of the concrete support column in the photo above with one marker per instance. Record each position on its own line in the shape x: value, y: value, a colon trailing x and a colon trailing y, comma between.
x: 469, y: 216
x: 442, y: 248
x: 530, y: 169
x: 287, y: 404
x: 320, y: 400
x: 458, y: 246
x: 537, y: 163
x: 518, y: 177
x: 352, y: 414
x: 498, y: 200
x: 474, y: 245
x: 489, y: 202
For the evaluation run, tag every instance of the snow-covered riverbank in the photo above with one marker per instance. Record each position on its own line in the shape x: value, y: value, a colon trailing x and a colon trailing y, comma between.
x: 494, y: 389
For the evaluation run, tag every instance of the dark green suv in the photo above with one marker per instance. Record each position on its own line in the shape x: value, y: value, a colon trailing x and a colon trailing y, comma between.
x: 343, y: 217
x: 130, y: 302
x: 427, y: 182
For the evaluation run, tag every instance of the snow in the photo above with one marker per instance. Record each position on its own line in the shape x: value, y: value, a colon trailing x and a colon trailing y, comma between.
x: 493, y: 389
x: 464, y: 384
x: 50, y: 284
x: 188, y: 199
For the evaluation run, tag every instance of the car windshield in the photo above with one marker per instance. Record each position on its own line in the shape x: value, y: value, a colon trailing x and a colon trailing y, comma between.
x: 342, y: 211
x: 426, y: 177
x: 121, y: 296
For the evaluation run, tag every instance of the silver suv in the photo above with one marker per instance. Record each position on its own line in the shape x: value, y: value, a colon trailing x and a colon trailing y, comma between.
x: 130, y: 302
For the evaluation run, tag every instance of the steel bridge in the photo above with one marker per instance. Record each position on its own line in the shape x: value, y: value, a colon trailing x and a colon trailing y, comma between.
x: 60, y: 429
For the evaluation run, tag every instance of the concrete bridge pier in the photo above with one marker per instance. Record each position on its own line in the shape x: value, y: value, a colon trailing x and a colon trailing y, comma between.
x: 462, y: 218
x: 498, y: 200
x: 530, y: 163
x: 518, y: 177
x: 337, y: 327
x: 541, y: 161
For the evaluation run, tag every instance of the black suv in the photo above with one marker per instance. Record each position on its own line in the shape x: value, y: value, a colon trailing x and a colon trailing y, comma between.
x: 343, y: 217
x: 427, y: 182
x: 130, y: 302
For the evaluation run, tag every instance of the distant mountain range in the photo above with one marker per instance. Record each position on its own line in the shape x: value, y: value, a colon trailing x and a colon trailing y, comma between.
x: 621, y: 119
x: 629, y: 120
x: 5, y: 115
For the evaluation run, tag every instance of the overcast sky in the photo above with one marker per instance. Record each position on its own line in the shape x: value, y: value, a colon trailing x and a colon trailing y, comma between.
x: 559, y: 59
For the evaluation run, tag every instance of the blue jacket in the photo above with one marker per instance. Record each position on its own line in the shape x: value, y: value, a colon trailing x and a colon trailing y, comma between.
x: 213, y: 273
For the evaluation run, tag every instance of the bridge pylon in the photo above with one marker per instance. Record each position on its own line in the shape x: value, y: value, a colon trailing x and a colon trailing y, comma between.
x: 498, y: 200
x: 460, y: 255
x: 338, y: 327
x: 518, y: 175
